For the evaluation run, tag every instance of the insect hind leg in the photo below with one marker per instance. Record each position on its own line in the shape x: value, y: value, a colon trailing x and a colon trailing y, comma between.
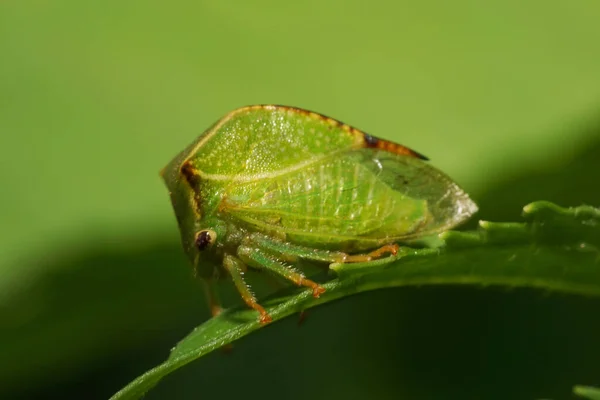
x: 391, y: 249
x: 291, y: 251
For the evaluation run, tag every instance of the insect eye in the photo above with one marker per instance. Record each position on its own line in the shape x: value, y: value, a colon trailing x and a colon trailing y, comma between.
x: 204, y: 239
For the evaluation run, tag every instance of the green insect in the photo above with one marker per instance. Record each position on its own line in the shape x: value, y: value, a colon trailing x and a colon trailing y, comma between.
x: 267, y: 185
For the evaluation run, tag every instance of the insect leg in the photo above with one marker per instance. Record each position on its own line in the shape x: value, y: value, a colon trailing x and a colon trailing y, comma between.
x: 258, y: 259
x: 287, y: 249
x: 235, y: 267
x: 212, y: 297
x: 375, y: 254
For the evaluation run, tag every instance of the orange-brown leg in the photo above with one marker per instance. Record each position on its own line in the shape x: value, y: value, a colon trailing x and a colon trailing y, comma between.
x: 302, y: 317
x: 236, y: 268
x: 291, y: 250
x: 387, y: 249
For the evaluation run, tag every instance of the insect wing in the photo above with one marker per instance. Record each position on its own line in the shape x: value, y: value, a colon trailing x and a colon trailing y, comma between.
x: 447, y: 204
x: 369, y: 194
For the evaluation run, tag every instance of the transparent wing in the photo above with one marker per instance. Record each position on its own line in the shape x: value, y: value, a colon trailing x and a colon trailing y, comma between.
x: 356, y: 200
x: 447, y: 203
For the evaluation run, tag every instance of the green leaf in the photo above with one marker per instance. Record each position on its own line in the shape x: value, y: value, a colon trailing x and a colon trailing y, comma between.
x: 587, y: 392
x: 554, y: 249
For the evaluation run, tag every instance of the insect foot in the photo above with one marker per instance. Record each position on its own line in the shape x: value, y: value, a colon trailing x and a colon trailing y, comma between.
x: 391, y: 249
x: 388, y: 248
x: 264, y: 318
x: 318, y: 291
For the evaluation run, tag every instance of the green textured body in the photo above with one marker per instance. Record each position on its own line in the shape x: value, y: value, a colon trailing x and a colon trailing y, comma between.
x: 297, y: 178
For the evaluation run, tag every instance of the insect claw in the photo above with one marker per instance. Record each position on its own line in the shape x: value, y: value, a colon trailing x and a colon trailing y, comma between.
x: 265, y: 318
x: 215, y: 309
x: 318, y: 291
x: 388, y: 248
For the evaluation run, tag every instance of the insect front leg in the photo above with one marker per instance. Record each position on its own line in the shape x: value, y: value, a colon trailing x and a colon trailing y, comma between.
x: 212, y: 297
x: 260, y: 260
x: 236, y: 268
x: 287, y: 249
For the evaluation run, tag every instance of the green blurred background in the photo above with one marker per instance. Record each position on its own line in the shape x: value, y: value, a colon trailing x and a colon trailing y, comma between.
x: 96, y: 97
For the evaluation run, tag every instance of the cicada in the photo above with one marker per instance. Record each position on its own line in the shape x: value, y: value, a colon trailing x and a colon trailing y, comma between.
x: 269, y: 184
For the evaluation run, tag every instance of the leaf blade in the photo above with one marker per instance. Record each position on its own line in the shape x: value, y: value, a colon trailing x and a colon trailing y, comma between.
x: 536, y: 253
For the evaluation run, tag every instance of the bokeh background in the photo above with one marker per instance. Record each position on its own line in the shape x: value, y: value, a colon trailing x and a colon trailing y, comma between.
x: 96, y: 97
